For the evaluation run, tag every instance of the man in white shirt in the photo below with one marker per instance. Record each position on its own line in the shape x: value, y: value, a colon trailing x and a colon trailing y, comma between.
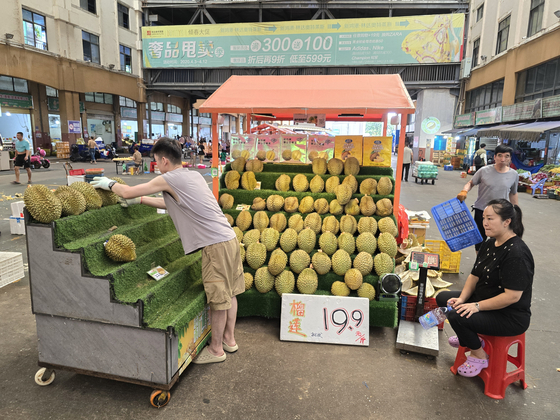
x: 407, y: 160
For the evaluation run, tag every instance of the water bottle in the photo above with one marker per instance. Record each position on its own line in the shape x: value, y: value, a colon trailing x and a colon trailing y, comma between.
x: 434, y: 317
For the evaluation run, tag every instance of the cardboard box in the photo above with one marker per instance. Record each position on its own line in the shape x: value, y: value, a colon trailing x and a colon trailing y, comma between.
x: 269, y: 143
x: 76, y: 178
x: 346, y: 146
x: 294, y: 143
x: 377, y: 151
x: 321, y: 145
x: 420, y: 234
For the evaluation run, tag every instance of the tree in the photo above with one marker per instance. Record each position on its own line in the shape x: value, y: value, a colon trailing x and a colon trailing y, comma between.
x: 374, y: 128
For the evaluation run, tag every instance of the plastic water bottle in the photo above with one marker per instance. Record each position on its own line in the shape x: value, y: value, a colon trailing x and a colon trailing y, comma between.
x: 434, y: 317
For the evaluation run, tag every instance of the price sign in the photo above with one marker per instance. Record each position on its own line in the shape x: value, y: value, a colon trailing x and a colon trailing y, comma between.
x: 325, y: 319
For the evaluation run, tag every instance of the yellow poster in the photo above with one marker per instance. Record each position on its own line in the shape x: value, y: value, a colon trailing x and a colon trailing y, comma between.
x: 346, y: 146
x: 377, y: 151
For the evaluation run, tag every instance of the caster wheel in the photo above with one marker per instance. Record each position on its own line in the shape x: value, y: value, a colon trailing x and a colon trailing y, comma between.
x: 160, y: 398
x: 40, y: 380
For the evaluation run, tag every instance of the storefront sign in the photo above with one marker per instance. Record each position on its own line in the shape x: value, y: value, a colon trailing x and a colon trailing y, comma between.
x: 205, y: 120
x: 129, y: 113
x: 317, y: 119
x: 53, y: 104
x: 338, y: 42
x: 178, y: 118
x: 489, y: 116
x: 16, y: 100
x: 464, y: 120
x: 551, y: 106
x: 74, y: 127
x: 431, y: 125
x: 325, y: 319
x: 527, y: 110
x: 158, y: 116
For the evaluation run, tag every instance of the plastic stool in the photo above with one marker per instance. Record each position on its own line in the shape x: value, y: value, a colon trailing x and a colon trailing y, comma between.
x: 495, y: 376
x: 152, y: 166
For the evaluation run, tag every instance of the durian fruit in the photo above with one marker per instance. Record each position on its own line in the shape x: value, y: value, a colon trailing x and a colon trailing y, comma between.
x: 120, y: 248
x: 283, y: 183
x: 306, y: 205
x: 109, y: 198
x: 368, y: 186
x: 313, y: 221
x: 255, y: 255
x: 352, y: 208
x: 300, y: 183
x: 254, y: 165
x: 348, y: 224
x: 363, y: 263
x: 351, y: 166
x: 321, y: 262
x: 248, y: 181
x: 243, y: 220
x: 335, y: 166
x: 238, y: 234
x: 306, y: 240
x: 321, y: 206
x: 367, y: 206
x: 387, y: 224
x: 383, y: 264
x: 353, y: 279
x: 299, y: 260
x: 258, y: 204
x: 335, y: 208
x: 274, y: 203
x: 317, y: 185
x: 291, y: 204
x: 73, y: 202
x: 226, y: 201
x: 307, y: 281
x: 346, y: 242
x: 270, y: 155
x: 312, y: 155
x: 328, y: 243
x: 285, y: 282
x: 341, y: 262
x: 42, y: 203
x: 251, y: 237
x: 330, y: 224
x: 286, y: 154
x: 93, y: 200
x: 366, y: 290
x: 352, y: 182
x: 288, y: 240
x: 319, y: 166
x: 261, y: 155
x: 260, y: 220
x: 366, y: 242
x: 324, y: 155
x: 277, y: 262
x: 367, y: 224
x: 238, y: 164
x: 331, y: 184
x: 232, y: 180
x: 339, y: 288
x: 387, y: 244
x: 384, y: 186
x: 384, y: 207
x: 269, y: 237
x: 235, y: 154
x: 248, y: 280
x: 242, y: 252
x: 264, y: 281
x: 230, y: 219
x: 343, y: 193
x: 278, y: 222
x: 296, y: 155
x: 296, y: 222
x: 245, y: 154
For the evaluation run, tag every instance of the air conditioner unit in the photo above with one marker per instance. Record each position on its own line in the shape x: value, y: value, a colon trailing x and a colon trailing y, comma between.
x: 465, y: 68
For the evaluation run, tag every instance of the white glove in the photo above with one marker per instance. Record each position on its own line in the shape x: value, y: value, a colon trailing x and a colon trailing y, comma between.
x: 103, y: 182
x: 130, y: 201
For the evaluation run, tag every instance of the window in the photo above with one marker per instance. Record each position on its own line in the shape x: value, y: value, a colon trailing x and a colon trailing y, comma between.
x: 156, y: 106
x: 13, y: 84
x: 475, y: 51
x: 34, y: 30
x: 124, y: 101
x: 126, y: 59
x: 123, y: 15
x: 173, y: 109
x: 52, y: 92
x: 90, y: 43
x: 485, y: 97
x: 503, y: 33
x: 479, y: 12
x: 539, y: 82
x: 535, y: 17
x: 88, y: 5
x: 100, y: 98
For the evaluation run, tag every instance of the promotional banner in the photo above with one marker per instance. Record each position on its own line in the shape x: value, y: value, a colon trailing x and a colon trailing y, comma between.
x: 268, y: 143
x: 527, y: 110
x: 333, y: 42
x: 317, y: 119
x: 464, y: 120
x: 489, y: 116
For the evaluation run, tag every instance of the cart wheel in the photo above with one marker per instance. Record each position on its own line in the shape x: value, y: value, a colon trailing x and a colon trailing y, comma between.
x: 160, y: 398
x: 40, y: 380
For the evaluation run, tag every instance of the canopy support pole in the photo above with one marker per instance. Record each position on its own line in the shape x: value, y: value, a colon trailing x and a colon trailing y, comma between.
x: 398, y: 174
x: 384, y: 120
x: 215, y: 157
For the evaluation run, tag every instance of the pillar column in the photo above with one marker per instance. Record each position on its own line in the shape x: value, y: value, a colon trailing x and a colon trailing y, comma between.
x: 69, y: 111
x: 117, y: 114
x: 185, y: 110
x: 140, y: 117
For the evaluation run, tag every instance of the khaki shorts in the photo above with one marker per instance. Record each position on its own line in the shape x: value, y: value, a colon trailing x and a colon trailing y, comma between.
x: 222, y: 273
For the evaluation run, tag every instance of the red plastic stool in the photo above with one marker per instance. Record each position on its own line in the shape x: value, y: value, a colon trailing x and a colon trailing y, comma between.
x: 152, y: 166
x: 495, y: 376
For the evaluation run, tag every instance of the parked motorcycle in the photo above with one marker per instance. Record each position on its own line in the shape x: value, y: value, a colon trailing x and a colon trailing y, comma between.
x: 39, y: 160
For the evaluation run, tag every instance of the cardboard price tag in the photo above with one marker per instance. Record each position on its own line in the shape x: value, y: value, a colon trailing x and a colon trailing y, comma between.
x: 158, y: 273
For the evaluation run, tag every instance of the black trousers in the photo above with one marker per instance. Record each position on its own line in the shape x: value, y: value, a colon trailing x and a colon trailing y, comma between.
x: 499, y: 323
x: 478, y: 220
x: 405, y: 168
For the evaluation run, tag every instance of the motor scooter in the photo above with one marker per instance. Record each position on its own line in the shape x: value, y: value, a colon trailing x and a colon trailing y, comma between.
x: 39, y: 160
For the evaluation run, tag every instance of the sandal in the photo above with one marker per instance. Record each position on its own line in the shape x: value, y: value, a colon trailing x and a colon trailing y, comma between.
x: 16, y: 182
x: 206, y: 357
x: 472, y: 367
x: 454, y: 342
x: 230, y: 349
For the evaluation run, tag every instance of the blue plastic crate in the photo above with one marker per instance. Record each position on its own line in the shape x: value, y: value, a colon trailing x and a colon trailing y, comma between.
x: 448, y: 168
x: 456, y: 225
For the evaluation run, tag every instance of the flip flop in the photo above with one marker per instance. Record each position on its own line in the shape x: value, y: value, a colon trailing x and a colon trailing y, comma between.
x: 230, y: 349
x: 15, y: 182
x: 472, y: 367
x: 454, y: 342
x: 206, y: 357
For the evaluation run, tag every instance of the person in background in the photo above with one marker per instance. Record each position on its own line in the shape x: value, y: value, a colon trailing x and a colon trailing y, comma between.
x: 407, y: 160
x: 201, y: 147
x: 23, y: 156
x: 137, y: 158
x: 480, y: 158
x: 92, y: 146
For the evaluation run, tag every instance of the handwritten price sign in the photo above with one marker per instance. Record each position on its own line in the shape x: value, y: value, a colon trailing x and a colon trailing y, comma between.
x: 325, y: 319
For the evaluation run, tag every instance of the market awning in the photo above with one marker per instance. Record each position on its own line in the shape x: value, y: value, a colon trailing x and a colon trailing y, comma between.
x: 494, y: 131
x: 453, y: 131
x: 528, y: 132
x: 470, y: 132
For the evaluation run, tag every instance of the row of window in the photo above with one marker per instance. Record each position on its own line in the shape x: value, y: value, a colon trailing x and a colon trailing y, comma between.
x: 122, y: 10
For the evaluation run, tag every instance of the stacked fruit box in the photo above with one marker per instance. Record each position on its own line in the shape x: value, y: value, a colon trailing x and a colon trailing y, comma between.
x: 63, y: 149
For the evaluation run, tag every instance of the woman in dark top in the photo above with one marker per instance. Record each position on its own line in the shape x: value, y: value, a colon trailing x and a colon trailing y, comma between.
x: 201, y: 151
x: 496, y: 298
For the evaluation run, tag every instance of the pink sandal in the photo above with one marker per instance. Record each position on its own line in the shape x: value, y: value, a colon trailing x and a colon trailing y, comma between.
x: 454, y: 342
x: 472, y: 367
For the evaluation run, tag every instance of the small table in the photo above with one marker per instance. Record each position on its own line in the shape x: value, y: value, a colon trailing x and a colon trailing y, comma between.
x: 120, y: 161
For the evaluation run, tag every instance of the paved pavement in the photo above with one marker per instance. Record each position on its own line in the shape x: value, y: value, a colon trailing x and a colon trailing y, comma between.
x: 284, y: 380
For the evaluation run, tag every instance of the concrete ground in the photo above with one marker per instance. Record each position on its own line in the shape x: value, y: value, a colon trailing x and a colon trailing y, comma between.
x: 287, y: 380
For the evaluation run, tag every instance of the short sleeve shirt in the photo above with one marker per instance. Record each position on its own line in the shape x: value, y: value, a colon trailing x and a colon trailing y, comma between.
x: 493, y: 185
x: 22, y: 145
x: 407, y: 155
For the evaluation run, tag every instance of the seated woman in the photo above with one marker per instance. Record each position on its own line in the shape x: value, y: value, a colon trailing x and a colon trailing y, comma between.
x: 496, y: 298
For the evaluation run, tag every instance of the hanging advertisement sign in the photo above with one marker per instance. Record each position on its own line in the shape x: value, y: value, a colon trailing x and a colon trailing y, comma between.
x: 464, y: 120
x: 527, y: 110
x: 129, y: 113
x: 551, y: 106
x: 16, y: 100
x: 74, y: 127
x: 489, y: 116
x: 317, y: 119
